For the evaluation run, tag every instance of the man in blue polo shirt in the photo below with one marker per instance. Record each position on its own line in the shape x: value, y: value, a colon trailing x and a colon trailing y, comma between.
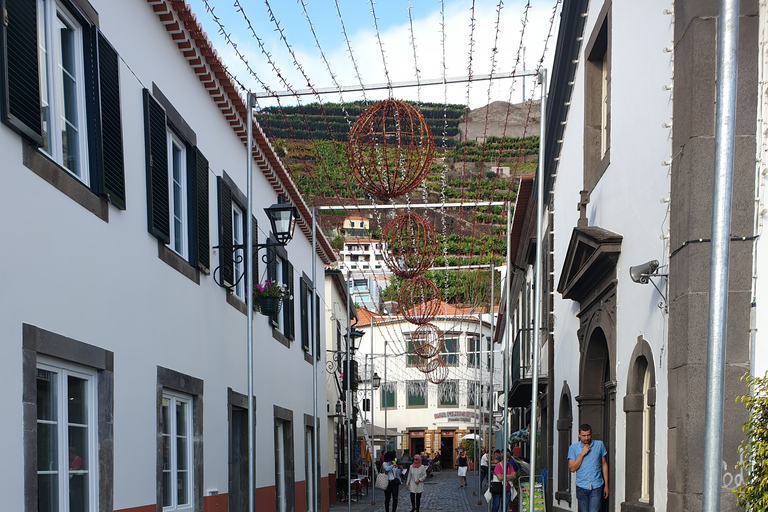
x: 586, y: 458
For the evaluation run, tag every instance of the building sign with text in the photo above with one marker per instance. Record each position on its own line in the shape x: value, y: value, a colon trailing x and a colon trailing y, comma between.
x: 461, y: 416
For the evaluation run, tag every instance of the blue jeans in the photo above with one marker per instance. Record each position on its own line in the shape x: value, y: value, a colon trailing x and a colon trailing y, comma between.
x: 589, y: 500
x: 496, y: 501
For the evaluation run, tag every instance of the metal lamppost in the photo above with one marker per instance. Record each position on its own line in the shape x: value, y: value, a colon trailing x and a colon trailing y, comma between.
x: 351, y: 337
x: 282, y: 218
x: 375, y: 384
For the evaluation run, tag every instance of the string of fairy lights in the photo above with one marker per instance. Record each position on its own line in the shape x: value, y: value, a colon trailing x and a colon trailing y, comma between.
x: 348, y: 194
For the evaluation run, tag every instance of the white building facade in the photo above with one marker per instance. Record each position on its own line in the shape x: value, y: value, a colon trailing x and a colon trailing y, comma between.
x: 430, y: 416
x: 128, y: 357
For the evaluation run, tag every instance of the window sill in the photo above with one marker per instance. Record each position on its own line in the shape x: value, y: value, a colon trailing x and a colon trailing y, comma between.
x: 308, y: 357
x: 177, y: 262
x: 62, y: 180
x: 276, y: 334
x: 637, y: 506
x: 236, y: 303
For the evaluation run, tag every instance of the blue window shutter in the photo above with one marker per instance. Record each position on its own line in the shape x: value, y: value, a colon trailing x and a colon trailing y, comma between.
x: 156, y: 148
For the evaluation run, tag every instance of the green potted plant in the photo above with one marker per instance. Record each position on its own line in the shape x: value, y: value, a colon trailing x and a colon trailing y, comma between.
x: 268, y: 297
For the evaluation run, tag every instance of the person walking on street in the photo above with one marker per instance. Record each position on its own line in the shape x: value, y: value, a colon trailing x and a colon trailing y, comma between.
x: 415, y: 482
x: 587, y: 458
x: 483, y: 467
x: 393, y: 472
x: 498, y: 476
x: 461, y: 463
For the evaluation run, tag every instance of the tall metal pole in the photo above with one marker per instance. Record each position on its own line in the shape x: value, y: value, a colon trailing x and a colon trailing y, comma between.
x: 249, y: 305
x: 478, y: 394
x: 373, y: 424
x: 348, y: 373
x: 505, y: 353
x: 490, y: 387
x: 386, y: 432
x: 315, y: 348
x: 727, y: 73
x: 538, y: 292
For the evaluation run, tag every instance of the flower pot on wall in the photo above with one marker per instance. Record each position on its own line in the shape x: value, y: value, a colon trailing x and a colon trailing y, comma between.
x: 269, y: 306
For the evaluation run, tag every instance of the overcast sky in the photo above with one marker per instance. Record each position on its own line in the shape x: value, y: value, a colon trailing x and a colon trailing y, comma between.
x: 394, y: 29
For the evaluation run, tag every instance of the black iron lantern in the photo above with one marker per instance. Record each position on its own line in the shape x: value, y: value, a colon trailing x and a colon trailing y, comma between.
x: 376, y: 380
x: 282, y: 216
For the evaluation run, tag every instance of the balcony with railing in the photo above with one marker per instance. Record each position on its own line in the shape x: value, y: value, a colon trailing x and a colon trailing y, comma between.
x: 521, y: 371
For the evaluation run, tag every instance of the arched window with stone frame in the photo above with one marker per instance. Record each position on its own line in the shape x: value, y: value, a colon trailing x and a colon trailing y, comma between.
x: 639, y: 408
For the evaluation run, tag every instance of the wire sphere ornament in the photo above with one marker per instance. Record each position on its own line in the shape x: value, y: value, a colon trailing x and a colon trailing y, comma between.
x: 390, y: 149
x: 426, y: 364
x: 427, y: 342
x: 419, y: 300
x: 439, y: 373
x: 412, y: 245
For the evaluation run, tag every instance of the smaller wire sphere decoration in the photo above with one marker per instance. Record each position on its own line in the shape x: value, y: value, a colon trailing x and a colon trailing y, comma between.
x: 412, y: 245
x: 427, y: 342
x: 439, y: 373
x: 390, y: 149
x: 427, y: 364
x: 419, y: 300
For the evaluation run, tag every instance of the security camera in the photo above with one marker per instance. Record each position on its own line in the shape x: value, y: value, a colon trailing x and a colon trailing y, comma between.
x: 640, y: 273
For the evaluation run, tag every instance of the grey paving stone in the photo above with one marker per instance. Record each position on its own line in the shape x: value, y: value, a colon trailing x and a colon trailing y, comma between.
x: 441, y: 494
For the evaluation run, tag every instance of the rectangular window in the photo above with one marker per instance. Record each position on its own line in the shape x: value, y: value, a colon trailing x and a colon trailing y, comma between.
x: 474, y: 396
x: 448, y: 392
x: 176, y: 432
x: 238, y: 238
x: 597, y: 99
x: 473, y: 348
x: 177, y: 187
x: 417, y: 393
x: 67, y: 447
x: 62, y: 88
x: 450, y: 349
x: 388, y: 394
x: 411, y: 358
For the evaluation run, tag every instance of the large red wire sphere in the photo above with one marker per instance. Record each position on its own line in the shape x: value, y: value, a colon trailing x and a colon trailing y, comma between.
x: 419, y: 300
x: 412, y: 245
x: 390, y: 149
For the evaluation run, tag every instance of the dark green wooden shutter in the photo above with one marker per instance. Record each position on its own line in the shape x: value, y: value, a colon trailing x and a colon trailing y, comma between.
x: 198, y: 213
x: 303, y: 299
x: 272, y: 276
x: 19, y: 71
x: 317, y: 326
x: 226, y: 263
x: 113, y: 168
x: 156, y: 148
x: 288, y: 312
x: 255, y: 264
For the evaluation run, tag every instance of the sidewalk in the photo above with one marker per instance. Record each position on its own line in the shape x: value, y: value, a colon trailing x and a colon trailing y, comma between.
x: 441, y: 493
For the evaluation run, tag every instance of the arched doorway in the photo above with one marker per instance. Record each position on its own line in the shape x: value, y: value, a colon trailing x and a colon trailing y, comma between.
x: 597, y: 396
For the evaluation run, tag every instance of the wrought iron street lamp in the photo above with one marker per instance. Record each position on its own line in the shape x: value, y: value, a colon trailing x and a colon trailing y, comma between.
x: 376, y: 379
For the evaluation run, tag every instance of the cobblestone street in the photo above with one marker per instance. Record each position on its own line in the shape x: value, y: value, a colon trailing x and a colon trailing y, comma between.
x: 441, y: 493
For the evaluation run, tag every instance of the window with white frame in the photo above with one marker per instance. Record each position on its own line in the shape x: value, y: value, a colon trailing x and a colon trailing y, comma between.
x: 238, y: 238
x: 177, y: 187
x: 62, y: 88
x: 67, y: 474
x: 176, y: 432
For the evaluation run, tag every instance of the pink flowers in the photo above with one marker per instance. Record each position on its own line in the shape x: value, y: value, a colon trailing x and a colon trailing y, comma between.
x: 270, y: 289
